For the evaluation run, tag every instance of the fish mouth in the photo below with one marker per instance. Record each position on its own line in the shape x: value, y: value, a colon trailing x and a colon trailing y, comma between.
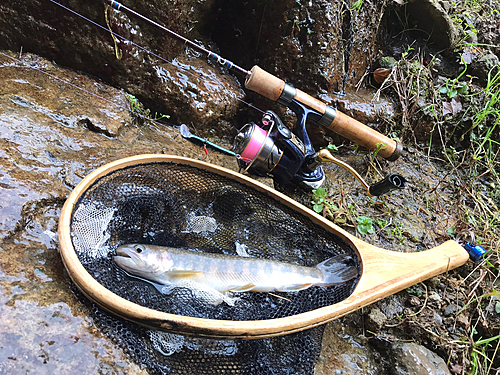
x: 123, y: 253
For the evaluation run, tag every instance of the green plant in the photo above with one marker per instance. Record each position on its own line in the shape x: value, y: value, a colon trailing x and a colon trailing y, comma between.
x: 320, y: 203
x: 452, y: 88
x: 332, y: 148
x: 414, y: 290
x: 356, y: 6
x: 141, y: 113
x: 397, y: 232
x: 480, y: 360
x: 380, y: 146
x: 365, y: 225
x: 381, y: 223
x: 485, y: 121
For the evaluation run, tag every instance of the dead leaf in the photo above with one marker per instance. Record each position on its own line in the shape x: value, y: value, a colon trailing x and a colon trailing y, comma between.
x: 447, y: 109
x: 380, y: 74
x: 456, y: 104
x: 456, y: 369
x: 452, y: 107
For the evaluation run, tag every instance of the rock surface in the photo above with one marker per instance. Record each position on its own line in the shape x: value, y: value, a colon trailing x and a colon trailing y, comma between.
x: 51, y: 136
x: 433, y: 18
x: 345, y: 354
x: 331, y: 43
x: 413, y: 359
x: 169, y: 79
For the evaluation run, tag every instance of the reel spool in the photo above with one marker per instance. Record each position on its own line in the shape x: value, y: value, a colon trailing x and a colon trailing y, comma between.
x: 277, y: 152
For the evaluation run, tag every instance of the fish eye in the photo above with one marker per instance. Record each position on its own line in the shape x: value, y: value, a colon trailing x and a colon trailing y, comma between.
x: 139, y: 249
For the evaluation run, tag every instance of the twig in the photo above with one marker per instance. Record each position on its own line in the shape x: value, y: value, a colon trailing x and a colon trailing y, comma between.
x: 280, y: 297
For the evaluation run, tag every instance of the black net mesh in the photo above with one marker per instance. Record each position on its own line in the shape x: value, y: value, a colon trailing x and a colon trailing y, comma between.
x: 178, y: 205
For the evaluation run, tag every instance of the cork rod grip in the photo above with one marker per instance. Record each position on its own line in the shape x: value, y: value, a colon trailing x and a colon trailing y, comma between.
x: 365, y: 136
x: 272, y: 87
x: 264, y: 83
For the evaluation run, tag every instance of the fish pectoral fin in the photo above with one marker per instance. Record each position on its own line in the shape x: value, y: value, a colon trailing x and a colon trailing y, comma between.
x: 295, y: 288
x: 244, y: 288
x: 183, y: 273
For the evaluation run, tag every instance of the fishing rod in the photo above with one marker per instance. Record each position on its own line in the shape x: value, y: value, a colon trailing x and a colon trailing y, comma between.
x: 275, y: 89
x: 113, y: 34
x: 275, y: 151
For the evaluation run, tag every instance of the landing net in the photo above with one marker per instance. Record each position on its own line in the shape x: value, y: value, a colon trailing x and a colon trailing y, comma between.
x: 178, y: 205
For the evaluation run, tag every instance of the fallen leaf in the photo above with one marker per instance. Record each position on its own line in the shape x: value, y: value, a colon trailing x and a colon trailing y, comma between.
x: 456, y: 104
x: 457, y: 369
x: 447, y: 108
x: 452, y: 107
x: 380, y: 74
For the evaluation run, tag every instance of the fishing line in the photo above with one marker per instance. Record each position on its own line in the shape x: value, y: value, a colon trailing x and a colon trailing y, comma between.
x: 144, y: 49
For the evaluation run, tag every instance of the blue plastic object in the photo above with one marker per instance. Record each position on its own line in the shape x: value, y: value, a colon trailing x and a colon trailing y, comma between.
x: 475, y: 252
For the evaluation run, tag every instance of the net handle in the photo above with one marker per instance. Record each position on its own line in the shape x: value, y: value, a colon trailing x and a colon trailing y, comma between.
x: 383, y: 272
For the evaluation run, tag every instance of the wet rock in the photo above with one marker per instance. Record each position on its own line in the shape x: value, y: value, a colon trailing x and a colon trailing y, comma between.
x: 87, y: 107
x: 414, y: 359
x: 344, y: 353
x: 321, y: 47
x: 375, y: 320
x: 173, y: 81
x: 330, y: 40
x: 35, y: 339
x: 432, y: 17
x: 44, y: 152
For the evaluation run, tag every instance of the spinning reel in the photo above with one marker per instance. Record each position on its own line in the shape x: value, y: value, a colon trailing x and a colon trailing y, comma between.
x: 288, y: 156
x: 277, y: 151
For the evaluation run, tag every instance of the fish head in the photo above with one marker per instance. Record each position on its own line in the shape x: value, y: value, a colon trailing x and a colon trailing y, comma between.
x: 142, y: 260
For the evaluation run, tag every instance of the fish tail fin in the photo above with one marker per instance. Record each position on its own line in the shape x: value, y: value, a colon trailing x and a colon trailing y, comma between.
x: 338, y: 270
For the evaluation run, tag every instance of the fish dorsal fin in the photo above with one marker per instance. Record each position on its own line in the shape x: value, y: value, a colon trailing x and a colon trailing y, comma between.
x: 183, y: 273
x: 295, y: 288
x: 244, y: 288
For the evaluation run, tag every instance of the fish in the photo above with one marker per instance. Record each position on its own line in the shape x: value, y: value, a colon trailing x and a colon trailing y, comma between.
x: 229, y: 273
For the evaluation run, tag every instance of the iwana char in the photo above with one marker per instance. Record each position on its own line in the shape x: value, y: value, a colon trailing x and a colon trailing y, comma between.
x: 171, y: 266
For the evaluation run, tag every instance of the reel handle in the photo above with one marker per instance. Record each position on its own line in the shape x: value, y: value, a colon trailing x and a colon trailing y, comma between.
x: 389, y: 183
x: 273, y: 88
